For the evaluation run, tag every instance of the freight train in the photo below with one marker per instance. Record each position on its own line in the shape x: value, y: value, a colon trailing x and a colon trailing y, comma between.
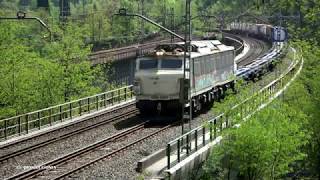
x: 262, y: 31
x: 268, y: 33
x: 158, y: 75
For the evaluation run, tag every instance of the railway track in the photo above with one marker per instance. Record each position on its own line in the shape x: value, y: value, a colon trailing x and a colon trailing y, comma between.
x: 87, y: 156
x: 257, y: 48
x: 131, y: 113
x: 64, y: 172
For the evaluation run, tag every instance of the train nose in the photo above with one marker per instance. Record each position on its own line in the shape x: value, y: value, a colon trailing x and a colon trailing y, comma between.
x: 164, y: 85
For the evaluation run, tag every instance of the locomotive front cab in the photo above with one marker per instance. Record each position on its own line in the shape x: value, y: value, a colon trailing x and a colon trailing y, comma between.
x: 157, y: 81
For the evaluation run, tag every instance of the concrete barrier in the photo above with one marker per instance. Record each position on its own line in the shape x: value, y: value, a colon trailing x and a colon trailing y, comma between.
x: 184, y: 169
x: 149, y: 160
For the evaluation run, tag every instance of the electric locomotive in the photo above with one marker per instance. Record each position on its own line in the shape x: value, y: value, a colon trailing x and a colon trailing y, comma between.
x: 158, y: 75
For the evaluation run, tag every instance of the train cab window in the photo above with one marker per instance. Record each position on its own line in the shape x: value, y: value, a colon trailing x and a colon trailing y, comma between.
x: 171, y: 63
x: 148, y: 64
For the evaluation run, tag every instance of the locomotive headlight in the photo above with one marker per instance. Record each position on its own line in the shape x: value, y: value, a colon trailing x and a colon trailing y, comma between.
x: 136, y: 86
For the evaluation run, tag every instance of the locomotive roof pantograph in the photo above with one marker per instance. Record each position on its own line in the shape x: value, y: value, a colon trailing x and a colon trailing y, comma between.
x: 198, y: 48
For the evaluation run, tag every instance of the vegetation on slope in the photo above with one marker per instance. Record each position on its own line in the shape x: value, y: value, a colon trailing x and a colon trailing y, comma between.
x: 282, y: 140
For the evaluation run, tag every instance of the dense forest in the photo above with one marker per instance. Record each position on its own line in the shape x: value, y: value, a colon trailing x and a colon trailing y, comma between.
x: 38, y: 70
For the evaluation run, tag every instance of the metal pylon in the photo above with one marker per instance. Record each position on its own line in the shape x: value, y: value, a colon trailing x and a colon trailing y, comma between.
x: 172, y: 23
x: 142, y: 22
x: 187, y: 115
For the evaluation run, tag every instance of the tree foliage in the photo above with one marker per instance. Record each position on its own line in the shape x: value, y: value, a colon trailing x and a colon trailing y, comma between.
x: 266, y: 146
x: 23, y: 74
x: 303, y: 96
x: 301, y: 100
x: 34, y: 77
x: 71, y: 56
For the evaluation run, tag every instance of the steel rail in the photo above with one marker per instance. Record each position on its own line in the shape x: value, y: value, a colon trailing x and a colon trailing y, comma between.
x: 55, y: 130
x: 114, y: 152
x: 64, y: 159
x: 258, y: 48
x: 67, y: 135
x: 236, y: 39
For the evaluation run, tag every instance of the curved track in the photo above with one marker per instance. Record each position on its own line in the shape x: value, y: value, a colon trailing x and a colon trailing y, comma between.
x: 257, y: 48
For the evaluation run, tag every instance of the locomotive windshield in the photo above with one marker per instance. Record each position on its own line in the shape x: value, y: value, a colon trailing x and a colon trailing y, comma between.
x: 171, y: 63
x: 146, y: 64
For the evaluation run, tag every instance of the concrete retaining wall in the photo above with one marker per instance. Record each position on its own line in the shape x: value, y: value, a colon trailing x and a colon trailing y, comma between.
x: 184, y: 169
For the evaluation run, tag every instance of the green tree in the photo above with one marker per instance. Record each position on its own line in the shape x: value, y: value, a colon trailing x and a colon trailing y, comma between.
x: 303, y: 96
x: 23, y: 73
x: 35, y: 77
x: 71, y: 54
x: 266, y: 146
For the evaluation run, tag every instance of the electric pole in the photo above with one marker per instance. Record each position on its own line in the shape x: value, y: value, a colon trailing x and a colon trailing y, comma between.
x: 143, y: 14
x: 172, y: 23
x: 187, y: 115
x: 142, y: 23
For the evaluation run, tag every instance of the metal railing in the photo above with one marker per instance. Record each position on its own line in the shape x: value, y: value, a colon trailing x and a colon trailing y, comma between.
x: 183, y: 146
x: 23, y: 124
